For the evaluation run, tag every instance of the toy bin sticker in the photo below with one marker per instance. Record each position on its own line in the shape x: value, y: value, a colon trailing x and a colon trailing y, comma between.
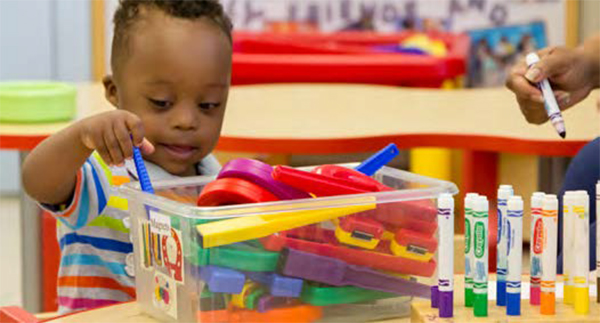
x: 164, y: 294
x: 162, y: 250
x: 173, y: 255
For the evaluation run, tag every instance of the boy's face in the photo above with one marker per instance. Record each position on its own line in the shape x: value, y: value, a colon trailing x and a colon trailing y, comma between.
x: 175, y: 76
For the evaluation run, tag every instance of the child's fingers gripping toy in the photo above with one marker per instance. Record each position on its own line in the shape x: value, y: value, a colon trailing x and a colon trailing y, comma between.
x: 372, y: 246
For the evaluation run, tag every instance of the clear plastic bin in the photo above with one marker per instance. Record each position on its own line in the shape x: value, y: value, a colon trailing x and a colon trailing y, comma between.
x: 289, y: 261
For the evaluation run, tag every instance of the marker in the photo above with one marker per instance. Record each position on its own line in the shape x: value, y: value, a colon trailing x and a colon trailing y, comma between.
x: 446, y: 254
x: 549, y: 219
x: 504, y: 192
x: 569, y: 201
x: 469, y: 257
x: 598, y: 242
x: 536, y: 243
x: 549, y: 100
x: 514, y: 230
x: 480, y: 252
x: 581, y: 248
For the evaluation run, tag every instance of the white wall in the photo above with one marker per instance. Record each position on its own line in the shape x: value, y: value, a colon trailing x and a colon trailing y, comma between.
x: 41, y: 40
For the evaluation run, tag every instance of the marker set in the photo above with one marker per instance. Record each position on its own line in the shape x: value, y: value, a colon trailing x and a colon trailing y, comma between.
x: 543, y: 251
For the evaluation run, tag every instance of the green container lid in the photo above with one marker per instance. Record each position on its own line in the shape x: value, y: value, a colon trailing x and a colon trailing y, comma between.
x: 37, y: 102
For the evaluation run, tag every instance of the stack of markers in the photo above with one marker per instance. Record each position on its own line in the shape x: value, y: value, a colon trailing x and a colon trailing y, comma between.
x: 543, y: 250
x: 510, y: 226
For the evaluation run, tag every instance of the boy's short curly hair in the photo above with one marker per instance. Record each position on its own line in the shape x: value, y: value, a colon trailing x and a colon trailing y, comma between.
x: 128, y: 12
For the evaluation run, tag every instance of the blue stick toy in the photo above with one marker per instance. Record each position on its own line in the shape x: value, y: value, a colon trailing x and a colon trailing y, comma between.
x: 378, y: 160
x: 140, y: 167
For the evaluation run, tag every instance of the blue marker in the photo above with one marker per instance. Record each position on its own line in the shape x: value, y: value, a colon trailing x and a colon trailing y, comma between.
x: 514, y: 230
x: 378, y: 160
x: 504, y: 192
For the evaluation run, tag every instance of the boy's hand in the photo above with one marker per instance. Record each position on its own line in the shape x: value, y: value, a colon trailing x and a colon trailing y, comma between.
x: 113, y: 135
x: 569, y: 73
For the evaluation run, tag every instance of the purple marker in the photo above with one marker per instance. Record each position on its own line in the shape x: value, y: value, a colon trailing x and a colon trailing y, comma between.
x: 446, y: 254
x: 435, y: 297
x: 336, y: 272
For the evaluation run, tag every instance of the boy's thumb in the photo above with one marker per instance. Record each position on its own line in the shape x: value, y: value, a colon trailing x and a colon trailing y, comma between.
x: 146, y: 147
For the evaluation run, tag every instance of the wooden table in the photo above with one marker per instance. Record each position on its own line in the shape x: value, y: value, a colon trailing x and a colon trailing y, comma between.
x: 336, y: 118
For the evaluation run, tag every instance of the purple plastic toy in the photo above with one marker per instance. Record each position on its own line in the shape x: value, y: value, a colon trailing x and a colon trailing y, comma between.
x: 260, y: 174
x: 336, y: 272
x: 269, y: 302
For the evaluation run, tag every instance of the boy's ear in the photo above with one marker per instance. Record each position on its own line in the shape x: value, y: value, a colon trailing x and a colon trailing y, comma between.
x: 110, y: 90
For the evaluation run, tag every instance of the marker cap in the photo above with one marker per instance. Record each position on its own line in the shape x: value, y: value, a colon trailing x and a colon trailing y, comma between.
x: 531, y: 59
x: 500, y: 293
x: 534, y: 295
x: 446, y: 303
x: 469, y: 297
x: 568, y: 294
x: 435, y: 297
x: 513, y: 303
x: 582, y: 300
x: 547, y: 302
x: 480, y: 305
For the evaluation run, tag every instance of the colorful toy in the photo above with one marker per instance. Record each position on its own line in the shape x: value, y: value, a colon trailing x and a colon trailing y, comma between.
x: 378, y: 160
x: 227, y: 191
x: 251, y: 227
x: 295, y: 314
x: 319, y: 185
x: 314, y: 294
x: 210, y: 301
x: 335, y: 272
x: 259, y: 173
x: 142, y: 172
x: 268, y: 302
x: 239, y: 300
x: 278, y: 285
x: 240, y: 256
x: 322, y: 242
x: 222, y: 280
x: 359, y: 231
x: 413, y: 245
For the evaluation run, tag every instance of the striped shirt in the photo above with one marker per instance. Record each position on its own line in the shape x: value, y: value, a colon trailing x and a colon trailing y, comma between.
x: 96, y: 267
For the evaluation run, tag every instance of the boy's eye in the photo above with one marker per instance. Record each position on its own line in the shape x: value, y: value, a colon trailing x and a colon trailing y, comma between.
x: 209, y: 105
x: 160, y: 103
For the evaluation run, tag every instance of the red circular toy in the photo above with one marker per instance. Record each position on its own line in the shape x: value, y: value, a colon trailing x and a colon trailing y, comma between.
x: 230, y: 191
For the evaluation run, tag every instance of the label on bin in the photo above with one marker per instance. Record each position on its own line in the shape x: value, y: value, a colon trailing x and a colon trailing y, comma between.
x: 159, y: 223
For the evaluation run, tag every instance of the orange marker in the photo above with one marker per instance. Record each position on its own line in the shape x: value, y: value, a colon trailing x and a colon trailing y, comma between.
x: 549, y: 218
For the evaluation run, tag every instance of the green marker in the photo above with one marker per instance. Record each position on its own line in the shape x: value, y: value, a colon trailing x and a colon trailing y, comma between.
x: 469, y: 198
x: 480, y: 253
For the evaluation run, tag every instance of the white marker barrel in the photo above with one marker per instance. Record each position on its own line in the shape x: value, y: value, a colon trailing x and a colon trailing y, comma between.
x: 514, y: 233
x: 569, y: 200
x: 581, y: 250
x: 446, y: 254
x: 504, y: 192
x: 469, y: 258
x: 480, y: 252
x: 550, y: 221
x: 535, y: 247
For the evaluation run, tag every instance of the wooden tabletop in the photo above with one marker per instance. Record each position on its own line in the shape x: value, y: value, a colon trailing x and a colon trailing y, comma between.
x: 347, y: 118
